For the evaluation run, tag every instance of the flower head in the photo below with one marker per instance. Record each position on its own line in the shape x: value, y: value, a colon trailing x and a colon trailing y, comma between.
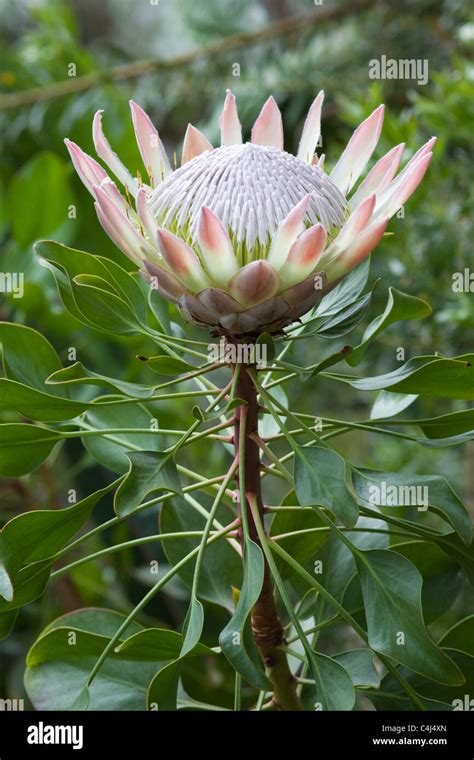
x: 246, y: 237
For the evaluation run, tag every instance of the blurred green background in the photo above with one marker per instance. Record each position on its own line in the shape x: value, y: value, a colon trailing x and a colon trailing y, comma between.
x: 44, y: 41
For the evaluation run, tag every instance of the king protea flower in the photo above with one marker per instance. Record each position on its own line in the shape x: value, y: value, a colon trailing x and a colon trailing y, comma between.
x: 246, y: 237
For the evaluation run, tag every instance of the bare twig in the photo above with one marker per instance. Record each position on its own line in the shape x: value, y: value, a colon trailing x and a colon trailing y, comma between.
x: 284, y: 26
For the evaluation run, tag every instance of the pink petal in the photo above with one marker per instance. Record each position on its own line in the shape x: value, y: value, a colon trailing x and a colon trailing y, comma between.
x: 396, y: 183
x: 166, y: 283
x: 182, y: 261
x: 403, y: 187
x: 119, y: 228
x: 91, y: 174
x: 216, y: 247
x: 357, y: 252
x: 231, y: 130
x: 287, y: 232
x: 105, y: 152
x: 194, y: 144
x: 268, y: 129
x: 426, y: 148
x: 254, y: 283
x: 379, y: 177
x: 150, y: 146
x: 357, y: 221
x: 147, y: 219
x: 358, y: 151
x: 400, y: 178
x: 304, y: 255
x: 311, y: 130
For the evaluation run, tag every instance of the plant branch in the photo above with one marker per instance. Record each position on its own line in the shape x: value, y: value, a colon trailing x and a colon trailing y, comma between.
x: 266, y: 625
x: 135, y: 69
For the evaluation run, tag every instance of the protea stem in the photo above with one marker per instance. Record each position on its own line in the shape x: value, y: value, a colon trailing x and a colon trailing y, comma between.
x: 266, y: 625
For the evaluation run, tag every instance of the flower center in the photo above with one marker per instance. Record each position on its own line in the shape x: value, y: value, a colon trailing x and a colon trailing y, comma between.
x: 251, y: 188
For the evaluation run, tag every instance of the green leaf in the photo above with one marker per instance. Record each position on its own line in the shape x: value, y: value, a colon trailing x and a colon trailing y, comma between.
x: 334, y: 688
x: 442, y: 578
x: 23, y: 448
x: 117, y: 306
x: 221, y: 568
x: 82, y: 702
x: 28, y: 357
x: 144, y: 645
x: 423, y: 375
x: 105, y: 310
x: 112, y: 451
x: 435, y: 696
x: 167, y: 365
x: 39, y: 196
x: 359, y: 663
x: 156, y: 644
x: 162, y: 692
x: 28, y: 584
x: 442, y: 443
x: 7, y: 623
x: 149, y: 472
x: 57, y: 669
x: 460, y: 636
x: 400, y: 307
x: 334, y: 565
x: 127, y: 286
x: 390, y: 404
x: 36, y: 535
x: 78, y: 374
x: 160, y: 310
x: 193, y: 625
x: 236, y: 638
x: 35, y: 405
x: 322, y: 478
x: 392, y: 697
x: 448, y: 425
x: 346, y: 292
x: 389, y: 488
x: 345, y: 320
x: 302, y: 547
x: 451, y: 544
x: 391, y: 588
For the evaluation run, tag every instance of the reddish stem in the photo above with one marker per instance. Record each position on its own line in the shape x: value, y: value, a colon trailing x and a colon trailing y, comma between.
x: 266, y: 625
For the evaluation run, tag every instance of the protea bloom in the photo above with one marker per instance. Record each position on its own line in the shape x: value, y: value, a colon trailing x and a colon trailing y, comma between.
x: 246, y: 237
